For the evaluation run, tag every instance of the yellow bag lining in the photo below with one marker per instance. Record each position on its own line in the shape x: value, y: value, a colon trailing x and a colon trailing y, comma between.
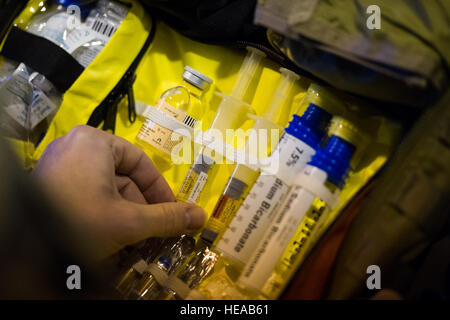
x: 161, y: 68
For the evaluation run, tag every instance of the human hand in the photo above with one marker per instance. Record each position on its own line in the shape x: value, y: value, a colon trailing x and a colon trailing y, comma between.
x: 111, y: 189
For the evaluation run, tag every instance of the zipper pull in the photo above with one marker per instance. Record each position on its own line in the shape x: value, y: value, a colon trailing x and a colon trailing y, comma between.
x: 109, y: 123
x: 131, y: 100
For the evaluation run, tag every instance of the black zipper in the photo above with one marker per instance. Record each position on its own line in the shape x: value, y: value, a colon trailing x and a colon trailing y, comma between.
x: 106, y: 111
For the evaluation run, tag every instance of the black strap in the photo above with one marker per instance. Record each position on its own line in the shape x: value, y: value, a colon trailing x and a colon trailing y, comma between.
x: 43, y: 56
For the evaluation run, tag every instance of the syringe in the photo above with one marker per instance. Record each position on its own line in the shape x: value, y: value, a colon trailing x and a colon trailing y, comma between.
x: 230, y: 115
x: 243, y: 176
x: 297, y: 145
x: 302, y: 241
x: 323, y: 176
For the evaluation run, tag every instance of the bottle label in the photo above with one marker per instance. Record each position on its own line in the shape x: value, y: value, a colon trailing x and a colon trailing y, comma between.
x: 227, y: 206
x: 19, y: 92
x: 276, y: 238
x: 161, y: 137
x: 252, y: 218
x: 85, y: 55
x: 258, y: 210
x: 289, y: 158
x: 225, y: 209
x: 198, y: 187
x: 298, y: 241
x: 87, y: 40
x: 16, y: 94
x: 98, y: 28
x: 41, y: 107
x: 175, y: 113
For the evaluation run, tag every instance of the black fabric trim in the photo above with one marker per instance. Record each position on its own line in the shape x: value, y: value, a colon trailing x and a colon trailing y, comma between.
x: 42, y: 56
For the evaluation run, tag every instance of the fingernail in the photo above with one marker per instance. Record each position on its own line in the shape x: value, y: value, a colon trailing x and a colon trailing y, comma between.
x: 195, y: 217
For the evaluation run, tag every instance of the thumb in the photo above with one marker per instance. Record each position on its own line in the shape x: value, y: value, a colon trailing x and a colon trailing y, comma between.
x: 165, y: 219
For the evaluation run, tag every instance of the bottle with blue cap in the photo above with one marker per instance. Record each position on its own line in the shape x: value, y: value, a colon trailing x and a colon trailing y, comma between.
x: 322, y: 179
x: 296, y: 147
x: 340, y: 129
x: 174, y: 116
x: 172, y: 256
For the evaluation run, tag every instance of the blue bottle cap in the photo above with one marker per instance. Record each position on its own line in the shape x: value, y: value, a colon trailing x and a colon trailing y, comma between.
x: 310, y: 127
x: 334, y: 159
x: 164, y: 262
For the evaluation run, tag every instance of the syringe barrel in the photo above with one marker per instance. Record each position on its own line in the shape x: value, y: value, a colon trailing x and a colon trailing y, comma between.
x: 247, y: 72
x: 230, y: 114
x: 267, y: 133
x: 238, y: 185
x: 281, y: 93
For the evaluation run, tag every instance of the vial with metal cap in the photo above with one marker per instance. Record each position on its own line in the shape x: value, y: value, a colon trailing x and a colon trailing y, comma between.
x: 171, y: 122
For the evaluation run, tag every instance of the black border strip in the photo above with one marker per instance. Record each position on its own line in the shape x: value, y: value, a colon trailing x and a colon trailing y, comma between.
x: 43, y: 56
